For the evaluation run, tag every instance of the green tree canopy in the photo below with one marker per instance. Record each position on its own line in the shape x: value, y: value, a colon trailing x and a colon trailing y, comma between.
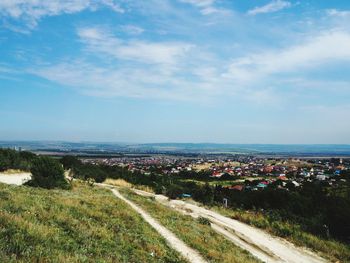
x: 69, y: 161
x: 47, y: 173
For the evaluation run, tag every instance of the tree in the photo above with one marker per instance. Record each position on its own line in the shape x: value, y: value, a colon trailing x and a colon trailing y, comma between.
x: 90, y: 172
x: 47, y: 173
x: 174, y: 191
x: 11, y: 159
x: 226, y: 176
x: 69, y: 161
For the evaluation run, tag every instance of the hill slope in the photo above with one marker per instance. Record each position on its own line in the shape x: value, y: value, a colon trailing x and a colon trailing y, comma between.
x: 83, y: 225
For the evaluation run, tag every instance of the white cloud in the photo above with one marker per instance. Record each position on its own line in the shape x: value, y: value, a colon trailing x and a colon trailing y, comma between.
x: 271, y: 7
x: 338, y: 13
x: 199, y: 3
x: 135, y: 68
x: 132, y: 30
x: 207, y: 7
x: 134, y: 81
x: 113, y: 5
x: 31, y: 11
x: 102, y: 41
x: 180, y: 71
x: 325, y: 48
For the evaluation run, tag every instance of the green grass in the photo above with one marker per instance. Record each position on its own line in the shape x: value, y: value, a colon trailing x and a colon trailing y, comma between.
x: 200, y: 236
x: 332, y: 250
x: 86, y: 224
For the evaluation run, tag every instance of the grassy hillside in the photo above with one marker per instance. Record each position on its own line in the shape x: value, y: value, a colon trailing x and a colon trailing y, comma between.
x: 82, y: 225
x: 214, y: 247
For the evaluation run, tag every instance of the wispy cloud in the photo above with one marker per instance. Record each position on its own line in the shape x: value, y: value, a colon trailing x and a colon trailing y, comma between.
x: 133, y: 81
x: 134, y: 68
x: 132, y: 29
x: 180, y: 71
x: 339, y: 13
x: 207, y: 7
x: 271, y: 7
x: 325, y: 48
x: 102, y: 41
x: 31, y: 11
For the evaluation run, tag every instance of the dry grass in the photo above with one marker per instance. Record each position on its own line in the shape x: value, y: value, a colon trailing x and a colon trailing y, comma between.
x: 86, y: 224
x: 201, y: 167
x: 117, y: 182
x: 123, y: 183
x: 13, y: 171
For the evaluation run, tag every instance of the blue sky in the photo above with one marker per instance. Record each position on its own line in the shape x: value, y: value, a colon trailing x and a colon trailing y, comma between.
x: 233, y: 71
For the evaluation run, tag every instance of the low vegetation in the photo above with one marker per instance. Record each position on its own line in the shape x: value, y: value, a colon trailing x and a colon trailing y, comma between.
x: 85, y: 224
x: 196, y: 233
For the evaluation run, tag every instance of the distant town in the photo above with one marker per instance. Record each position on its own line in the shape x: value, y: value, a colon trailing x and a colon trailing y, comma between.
x: 260, y: 166
x: 240, y: 172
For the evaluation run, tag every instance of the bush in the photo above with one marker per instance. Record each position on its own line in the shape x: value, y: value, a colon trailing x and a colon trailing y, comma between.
x: 174, y: 191
x: 47, y: 173
x: 203, y: 221
x: 281, y: 229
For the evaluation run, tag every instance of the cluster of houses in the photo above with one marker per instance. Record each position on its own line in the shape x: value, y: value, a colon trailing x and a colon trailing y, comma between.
x: 245, y: 172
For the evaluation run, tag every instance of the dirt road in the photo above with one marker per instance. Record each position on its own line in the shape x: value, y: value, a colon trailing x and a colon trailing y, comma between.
x: 258, y: 242
x: 187, y: 252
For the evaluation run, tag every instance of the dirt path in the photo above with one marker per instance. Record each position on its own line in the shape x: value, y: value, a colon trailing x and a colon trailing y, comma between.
x: 187, y: 252
x: 258, y: 242
x: 14, y: 178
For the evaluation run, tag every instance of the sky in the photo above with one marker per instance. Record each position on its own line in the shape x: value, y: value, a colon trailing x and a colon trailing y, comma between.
x: 225, y: 71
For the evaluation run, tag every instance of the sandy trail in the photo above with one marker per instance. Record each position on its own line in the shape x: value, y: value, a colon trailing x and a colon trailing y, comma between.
x: 187, y: 252
x: 15, y: 178
x: 259, y: 243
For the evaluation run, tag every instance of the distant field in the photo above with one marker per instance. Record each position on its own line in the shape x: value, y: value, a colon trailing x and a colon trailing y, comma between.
x: 83, y: 225
x: 115, y: 149
x: 206, y: 166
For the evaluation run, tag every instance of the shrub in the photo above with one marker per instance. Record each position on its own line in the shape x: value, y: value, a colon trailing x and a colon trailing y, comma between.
x: 47, y: 173
x: 203, y: 221
x: 174, y: 191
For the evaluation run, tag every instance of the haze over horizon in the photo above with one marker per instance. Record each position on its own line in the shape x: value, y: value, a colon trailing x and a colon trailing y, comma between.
x: 259, y: 71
